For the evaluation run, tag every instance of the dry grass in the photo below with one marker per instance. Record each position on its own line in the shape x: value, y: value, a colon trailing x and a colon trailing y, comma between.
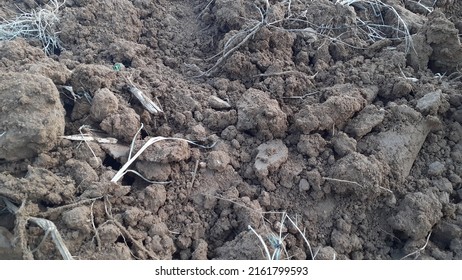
x: 41, y: 24
x: 367, y: 31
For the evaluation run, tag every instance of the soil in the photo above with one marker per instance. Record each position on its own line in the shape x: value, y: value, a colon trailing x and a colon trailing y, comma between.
x: 296, y: 110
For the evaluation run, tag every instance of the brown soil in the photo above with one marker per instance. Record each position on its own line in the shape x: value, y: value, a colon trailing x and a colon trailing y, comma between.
x: 357, y: 139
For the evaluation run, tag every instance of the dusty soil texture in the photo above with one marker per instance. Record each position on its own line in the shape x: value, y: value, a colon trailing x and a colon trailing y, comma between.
x: 333, y: 131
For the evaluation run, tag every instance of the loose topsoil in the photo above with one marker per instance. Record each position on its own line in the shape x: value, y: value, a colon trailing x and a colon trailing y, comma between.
x: 347, y: 119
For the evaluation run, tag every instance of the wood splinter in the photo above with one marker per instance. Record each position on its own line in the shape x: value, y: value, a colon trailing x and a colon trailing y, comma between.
x: 145, y: 101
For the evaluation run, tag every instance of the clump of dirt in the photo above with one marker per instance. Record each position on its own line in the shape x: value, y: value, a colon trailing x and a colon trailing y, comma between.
x: 330, y: 130
x: 32, y: 117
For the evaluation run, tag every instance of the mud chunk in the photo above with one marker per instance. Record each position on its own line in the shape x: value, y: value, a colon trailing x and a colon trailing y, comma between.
x: 306, y: 120
x: 261, y: 115
x: 132, y: 216
x: 122, y: 125
x: 198, y: 133
x: 429, y: 103
x: 31, y: 115
x: 311, y: 145
x: 289, y: 172
x: 154, y: 197
x: 458, y: 116
x: 455, y: 134
x: 400, y: 89
x: 218, y: 160
x: 314, y: 179
x: 165, y: 151
x: 52, y: 69
x: 401, y: 143
x: 20, y: 52
x: 78, y: 219
x: 456, y: 247
x: 445, y: 232
x: 155, y: 171
x: 104, y: 103
x: 270, y: 157
x: 364, y: 176
x: 343, y: 144
x: 234, y: 249
x: 326, y: 253
x: 344, y: 243
x: 218, y: 120
x: 443, y: 185
x: 90, y: 78
x: 229, y: 133
x: 81, y: 171
x: 456, y: 153
x: 38, y: 185
x: 162, y: 245
x: 303, y: 185
x: 443, y: 38
x: 336, y: 110
x: 158, y: 229
x: 417, y: 214
x: 228, y: 14
x: 366, y: 120
x: 6, y: 238
x: 81, y: 109
x: 436, y: 168
x: 200, y: 251
x: 108, y: 233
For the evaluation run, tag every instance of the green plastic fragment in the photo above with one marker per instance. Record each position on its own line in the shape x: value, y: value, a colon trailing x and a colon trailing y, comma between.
x: 117, y: 67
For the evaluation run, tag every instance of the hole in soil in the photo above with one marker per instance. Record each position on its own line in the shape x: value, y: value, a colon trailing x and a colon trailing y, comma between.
x: 121, y: 239
x: 128, y: 180
x: 143, y: 134
x: 57, y: 51
x: 311, y: 60
x: 400, y: 235
x: 110, y: 161
x: 68, y: 106
x: 455, y: 197
x: 127, y: 63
